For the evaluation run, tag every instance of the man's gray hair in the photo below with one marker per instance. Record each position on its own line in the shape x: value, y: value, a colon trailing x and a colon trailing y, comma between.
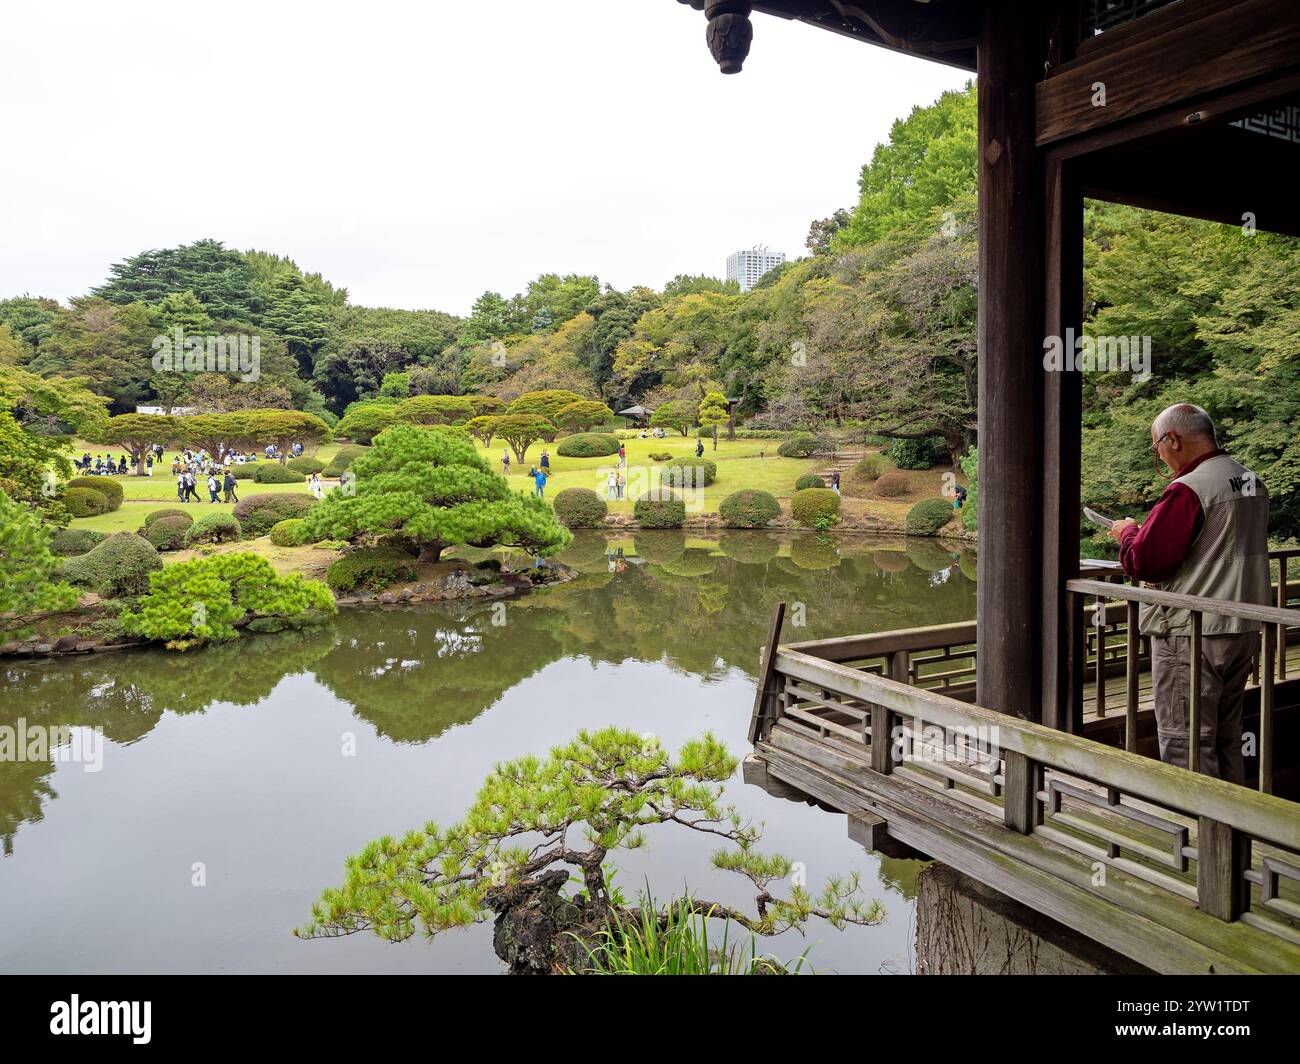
x: 1190, y: 422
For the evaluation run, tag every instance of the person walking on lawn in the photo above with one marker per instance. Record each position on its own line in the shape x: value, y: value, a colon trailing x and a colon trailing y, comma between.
x: 229, y: 485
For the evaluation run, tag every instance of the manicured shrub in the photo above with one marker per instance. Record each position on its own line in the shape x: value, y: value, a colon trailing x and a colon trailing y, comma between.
x: 213, y: 528
x: 580, y: 508
x: 106, y: 486
x: 68, y: 542
x: 84, y: 502
x: 917, y: 454
x: 120, y: 565
x: 928, y: 516
x: 258, y: 514
x: 749, y: 509
x: 231, y: 588
x: 157, y: 515
x: 371, y: 569
x: 244, y: 472
x: 274, y: 473
x: 343, y: 459
x: 288, y: 533
x: 168, y: 533
x: 661, y: 509
x: 660, y: 548
x: 588, y: 445
x: 809, y: 480
x: 892, y: 485
x: 306, y: 464
x: 872, y: 467
x: 661, y: 456
x: 815, y: 507
x: 690, y: 473
x: 797, y: 447
x: 890, y: 561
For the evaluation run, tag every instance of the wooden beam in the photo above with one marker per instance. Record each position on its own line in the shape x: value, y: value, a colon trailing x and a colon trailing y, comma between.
x: 768, y: 689
x: 1228, y: 46
x: 1009, y: 665
x: 1062, y: 431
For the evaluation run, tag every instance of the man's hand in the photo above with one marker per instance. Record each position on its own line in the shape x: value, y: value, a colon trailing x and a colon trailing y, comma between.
x: 1117, y: 529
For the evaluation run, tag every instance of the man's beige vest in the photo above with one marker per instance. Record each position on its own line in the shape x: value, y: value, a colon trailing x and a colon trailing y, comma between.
x: 1228, y: 558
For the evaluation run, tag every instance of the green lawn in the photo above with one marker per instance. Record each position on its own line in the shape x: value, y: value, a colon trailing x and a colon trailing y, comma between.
x: 742, y: 464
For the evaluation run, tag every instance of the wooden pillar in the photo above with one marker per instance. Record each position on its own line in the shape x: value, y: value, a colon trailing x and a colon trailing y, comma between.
x: 1062, y: 436
x: 1011, y: 51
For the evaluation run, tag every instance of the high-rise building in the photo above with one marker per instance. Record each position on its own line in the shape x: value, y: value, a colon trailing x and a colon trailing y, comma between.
x: 746, y: 267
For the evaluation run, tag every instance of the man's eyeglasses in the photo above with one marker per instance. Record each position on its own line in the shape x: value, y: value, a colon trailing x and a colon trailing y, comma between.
x: 1155, y: 456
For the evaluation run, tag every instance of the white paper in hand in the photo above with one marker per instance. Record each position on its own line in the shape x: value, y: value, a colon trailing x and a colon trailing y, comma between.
x: 1096, y: 518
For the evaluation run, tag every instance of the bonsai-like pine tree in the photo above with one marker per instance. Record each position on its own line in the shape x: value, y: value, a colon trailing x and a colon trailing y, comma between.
x: 713, y: 412
x: 521, y: 431
x: 537, y: 822
x: 677, y: 414
x: 137, y: 432
x: 430, y: 488
x: 29, y: 581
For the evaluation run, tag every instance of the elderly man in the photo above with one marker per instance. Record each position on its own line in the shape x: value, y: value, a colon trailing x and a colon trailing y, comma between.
x: 1208, y: 536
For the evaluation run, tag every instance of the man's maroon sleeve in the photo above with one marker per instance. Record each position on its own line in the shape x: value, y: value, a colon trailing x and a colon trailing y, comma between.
x: 1154, y: 551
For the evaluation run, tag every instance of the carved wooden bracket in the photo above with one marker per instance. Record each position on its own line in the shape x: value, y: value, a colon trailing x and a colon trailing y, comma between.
x: 729, y: 33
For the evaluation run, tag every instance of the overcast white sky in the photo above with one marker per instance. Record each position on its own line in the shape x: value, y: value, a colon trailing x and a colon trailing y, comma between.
x: 419, y: 153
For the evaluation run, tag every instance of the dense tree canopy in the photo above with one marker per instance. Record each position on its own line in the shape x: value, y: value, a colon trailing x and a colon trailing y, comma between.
x: 430, y: 488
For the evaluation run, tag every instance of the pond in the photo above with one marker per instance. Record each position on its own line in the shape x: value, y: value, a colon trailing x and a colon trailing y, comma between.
x: 235, y: 780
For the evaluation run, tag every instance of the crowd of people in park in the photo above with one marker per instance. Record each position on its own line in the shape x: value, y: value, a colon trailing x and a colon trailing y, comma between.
x: 193, y: 469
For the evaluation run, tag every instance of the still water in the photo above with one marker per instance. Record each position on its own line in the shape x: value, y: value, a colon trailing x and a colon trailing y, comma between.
x: 255, y: 768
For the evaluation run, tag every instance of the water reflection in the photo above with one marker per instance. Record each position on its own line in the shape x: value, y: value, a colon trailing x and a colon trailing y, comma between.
x: 700, y: 607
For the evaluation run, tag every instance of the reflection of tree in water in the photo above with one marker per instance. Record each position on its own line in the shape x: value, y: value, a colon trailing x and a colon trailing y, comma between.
x: 126, y: 694
x: 414, y: 673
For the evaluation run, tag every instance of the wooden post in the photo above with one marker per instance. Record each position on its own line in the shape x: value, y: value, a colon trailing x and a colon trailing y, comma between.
x: 1266, y: 709
x: 1222, y: 856
x: 1011, y: 51
x: 1019, y: 792
x: 1194, y: 698
x: 1062, y: 429
x: 765, y: 709
x: 1281, y: 628
x: 1134, y: 652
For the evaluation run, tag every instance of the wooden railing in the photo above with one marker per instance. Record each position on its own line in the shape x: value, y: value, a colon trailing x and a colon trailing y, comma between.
x: 1111, y: 645
x: 1232, y: 852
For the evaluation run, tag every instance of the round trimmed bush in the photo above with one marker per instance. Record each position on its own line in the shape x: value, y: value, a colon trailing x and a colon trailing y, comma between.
x: 797, y: 447
x: 168, y: 533
x: 306, y: 464
x: 106, y: 486
x: 371, y: 569
x: 690, y: 473
x: 660, y: 509
x: 917, y: 454
x: 809, y: 480
x: 84, y: 502
x: 588, y: 445
x: 927, y: 556
x: 928, y: 516
x: 158, y: 515
x: 213, y: 528
x: 274, y: 473
x: 872, y: 467
x: 815, y: 507
x: 892, y: 485
x: 749, y: 509
x: 120, y: 565
x: 661, y: 456
x: 288, y: 533
x: 343, y: 459
x: 244, y: 472
x: 68, y: 542
x: 258, y: 514
x: 580, y: 508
